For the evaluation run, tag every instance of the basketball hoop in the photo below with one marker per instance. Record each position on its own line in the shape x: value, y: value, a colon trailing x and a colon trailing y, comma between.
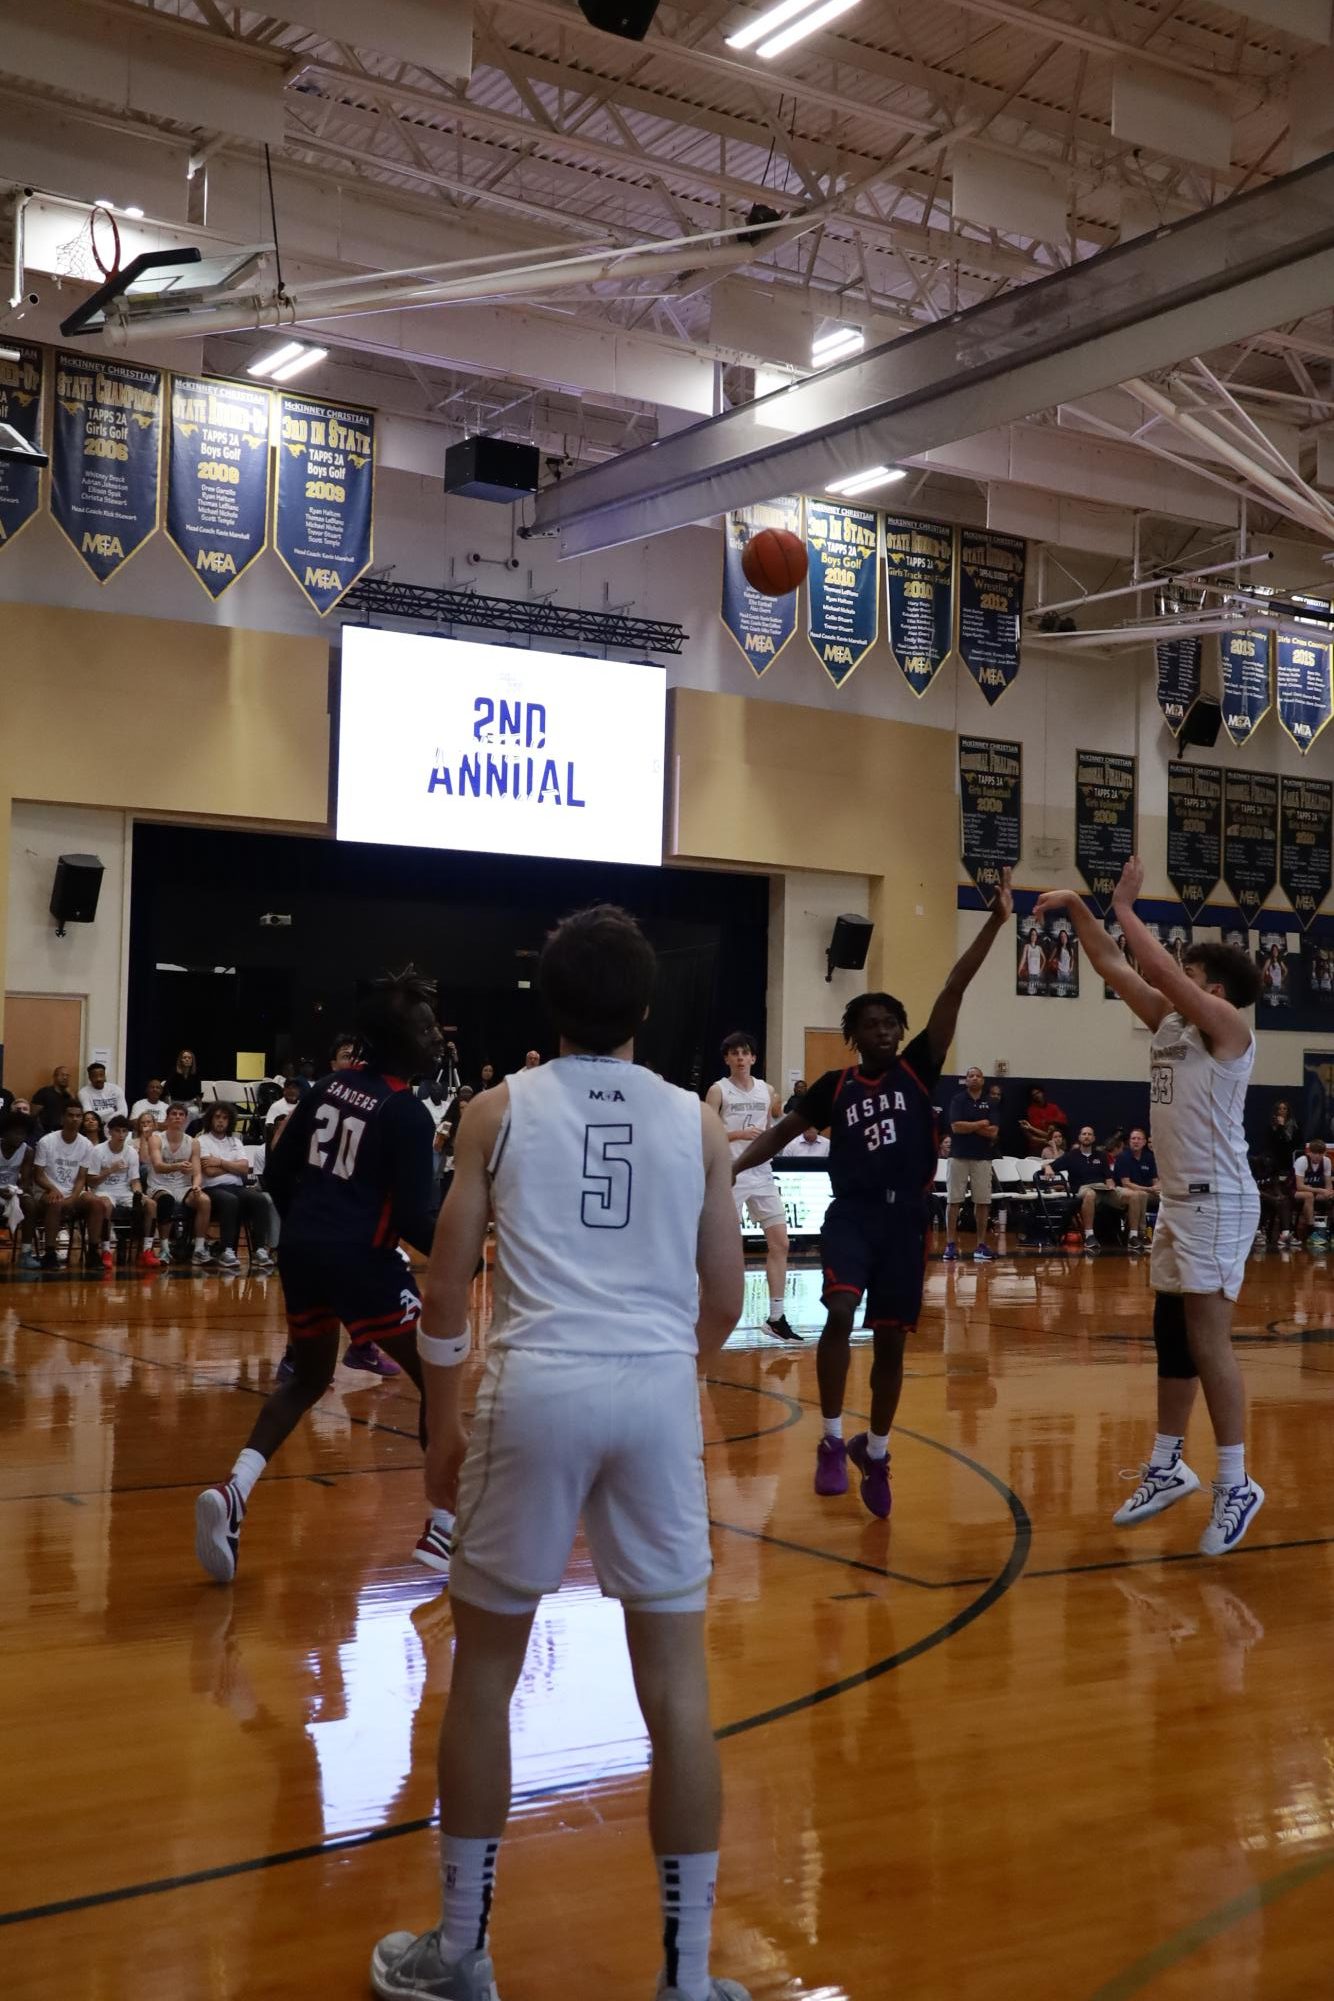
x: 92, y: 254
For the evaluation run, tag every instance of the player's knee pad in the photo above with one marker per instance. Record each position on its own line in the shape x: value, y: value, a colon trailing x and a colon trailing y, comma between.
x: 1170, y: 1337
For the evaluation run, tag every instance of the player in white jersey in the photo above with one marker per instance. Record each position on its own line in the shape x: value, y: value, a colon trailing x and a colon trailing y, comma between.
x: 618, y: 1267
x: 748, y: 1107
x: 1201, y: 1057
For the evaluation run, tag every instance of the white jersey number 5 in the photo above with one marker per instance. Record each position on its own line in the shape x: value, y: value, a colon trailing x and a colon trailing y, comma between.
x: 608, y: 1177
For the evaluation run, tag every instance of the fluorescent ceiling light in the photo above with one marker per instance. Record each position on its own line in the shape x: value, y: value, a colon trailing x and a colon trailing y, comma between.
x: 763, y: 24
x: 837, y: 345
x: 862, y: 482
x: 277, y: 357
x: 103, y: 201
x: 134, y: 212
x: 306, y: 359
x: 798, y: 31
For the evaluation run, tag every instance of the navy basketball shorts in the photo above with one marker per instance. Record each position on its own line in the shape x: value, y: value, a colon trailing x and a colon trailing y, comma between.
x: 370, y: 1291
x: 871, y: 1246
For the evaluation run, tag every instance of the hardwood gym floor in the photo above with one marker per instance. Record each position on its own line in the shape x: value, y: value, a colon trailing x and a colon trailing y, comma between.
x: 994, y: 1749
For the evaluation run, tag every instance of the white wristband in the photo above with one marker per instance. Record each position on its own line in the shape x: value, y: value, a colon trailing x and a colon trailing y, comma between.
x: 443, y: 1354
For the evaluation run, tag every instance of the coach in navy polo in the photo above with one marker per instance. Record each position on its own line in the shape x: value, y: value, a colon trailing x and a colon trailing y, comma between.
x: 973, y: 1133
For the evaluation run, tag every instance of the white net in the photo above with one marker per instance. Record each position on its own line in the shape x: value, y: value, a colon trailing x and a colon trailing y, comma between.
x: 92, y: 252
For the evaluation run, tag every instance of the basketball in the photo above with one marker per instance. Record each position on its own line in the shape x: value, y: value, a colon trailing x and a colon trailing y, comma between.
x: 774, y: 561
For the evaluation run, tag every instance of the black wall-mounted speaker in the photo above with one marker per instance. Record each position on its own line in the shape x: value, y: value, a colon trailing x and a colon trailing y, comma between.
x: 482, y: 468
x: 630, y: 19
x: 849, y: 945
x: 75, y: 890
x: 1202, y: 725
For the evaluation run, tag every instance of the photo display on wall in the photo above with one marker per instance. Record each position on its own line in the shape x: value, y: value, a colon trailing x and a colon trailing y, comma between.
x: 1047, y: 966
x: 1174, y: 933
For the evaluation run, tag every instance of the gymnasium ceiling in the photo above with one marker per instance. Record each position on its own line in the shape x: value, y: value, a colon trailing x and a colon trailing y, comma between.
x: 948, y: 151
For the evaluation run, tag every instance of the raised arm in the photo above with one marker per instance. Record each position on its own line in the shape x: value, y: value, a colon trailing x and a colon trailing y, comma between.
x: 1216, y: 1018
x: 944, y: 1017
x: 718, y: 1257
x: 1103, y: 954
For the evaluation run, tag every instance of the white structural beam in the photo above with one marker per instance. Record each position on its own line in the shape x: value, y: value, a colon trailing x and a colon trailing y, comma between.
x: 1083, y: 470
x: 433, y: 35
x: 1307, y: 18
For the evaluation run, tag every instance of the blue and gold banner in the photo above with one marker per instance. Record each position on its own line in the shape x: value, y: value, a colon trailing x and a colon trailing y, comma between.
x: 842, y: 584
x: 919, y: 579
x: 1178, y: 680
x: 1194, y: 833
x: 21, y: 407
x: 1250, y: 839
x: 760, y: 625
x: 991, y: 807
x: 324, y: 495
x: 1104, y: 820
x: 1304, y: 859
x: 991, y: 603
x: 1244, y: 682
x: 106, y: 458
x: 218, y: 476
x: 1303, y: 687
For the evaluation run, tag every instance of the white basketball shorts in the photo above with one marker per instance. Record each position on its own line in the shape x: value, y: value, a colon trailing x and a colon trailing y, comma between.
x: 1200, y: 1242
x: 757, y: 1191
x: 612, y: 1440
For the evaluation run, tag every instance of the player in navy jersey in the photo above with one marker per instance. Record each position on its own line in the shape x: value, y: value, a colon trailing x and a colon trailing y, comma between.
x: 882, y: 1161
x: 350, y: 1176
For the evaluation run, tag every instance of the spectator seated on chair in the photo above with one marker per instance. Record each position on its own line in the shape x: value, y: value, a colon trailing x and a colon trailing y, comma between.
x: 17, y: 1205
x: 811, y: 1144
x: 114, y: 1178
x: 1087, y: 1176
x: 185, y: 1086
x: 1057, y: 1144
x: 1038, y: 1119
x: 49, y: 1103
x: 234, y: 1196
x: 99, y: 1096
x: 60, y: 1177
x: 1135, y: 1172
x: 175, y: 1181
x: 1314, y: 1189
x: 154, y: 1100
x: 283, y: 1107
x: 90, y: 1125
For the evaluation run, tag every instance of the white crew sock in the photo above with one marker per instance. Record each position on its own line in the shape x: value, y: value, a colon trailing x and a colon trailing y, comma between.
x: 877, y: 1447
x: 148, y: 1243
x: 467, y: 1885
x: 1089, y: 1237
x: 249, y: 1465
x: 775, y: 1306
x: 1232, y: 1465
x: 442, y: 1519
x: 688, y: 1883
x: 200, y: 1243
x: 1166, y: 1451
x: 833, y: 1427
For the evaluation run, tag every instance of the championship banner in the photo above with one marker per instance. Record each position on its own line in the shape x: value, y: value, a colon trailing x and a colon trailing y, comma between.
x: 323, y: 527
x: 1304, y: 865
x: 991, y: 603
x: 106, y: 458
x: 991, y: 775
x: 1194, y: 833
x: 1244, y: 682
x: 1104, y: 820
x: 760, y: 625
x: 1250, y: 839
x: 919, y: 580
x: 1302, y: 681
x: 20, y: 406
x: 218, y: 477
x: 843, y: 586
x: 1178, y: 680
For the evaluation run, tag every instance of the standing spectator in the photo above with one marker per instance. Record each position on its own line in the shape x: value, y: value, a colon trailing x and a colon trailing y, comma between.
x: 809, y: 1145
x: 1282, y: 1121
x: 185, y: 1086
x: 282, y: 1108
x: 113, y: 1177
x: 1086, y: 1176
x: 798, y: 1093
x: 227, y: 1177
x: 60, y: 1175
x: 99, y: 1096
x: 1135, y: 1172
x: 154, y: 1100
x: 49, y: 1103
x: 175, y: 1180
x: 533, y: 1059
x: 1314, y: 1189
x: 486, y: 1077
x: 1039, y: 1117
x: 973, y: 1133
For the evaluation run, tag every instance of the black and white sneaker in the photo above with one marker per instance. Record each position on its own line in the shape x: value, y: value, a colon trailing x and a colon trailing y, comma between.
x: 1159, y: 1487
x: 780, y: 1330
x: 219, y: 1513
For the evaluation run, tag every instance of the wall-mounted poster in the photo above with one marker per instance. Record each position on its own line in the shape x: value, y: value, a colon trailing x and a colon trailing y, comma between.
x: 761, y: 626
x: 106, y: 454
x: 1047, y: 966
x: 843, y: 585
x: 919, y: 580
x: 991, y: 605
x: 1279, y: 965
x: 1175, y: 933
x: 21, y: 408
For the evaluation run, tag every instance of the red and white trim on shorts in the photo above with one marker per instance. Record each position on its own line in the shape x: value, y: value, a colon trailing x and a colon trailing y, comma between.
x: 899, y: 1326
x: 311, y: 1325
x: 360, y: 1332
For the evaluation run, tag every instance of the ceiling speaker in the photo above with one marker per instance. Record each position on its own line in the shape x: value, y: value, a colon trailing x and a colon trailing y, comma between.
x: 1202, y: 725
x: 849, y: 945
x: 628, y: 18
x: 75, y: 891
